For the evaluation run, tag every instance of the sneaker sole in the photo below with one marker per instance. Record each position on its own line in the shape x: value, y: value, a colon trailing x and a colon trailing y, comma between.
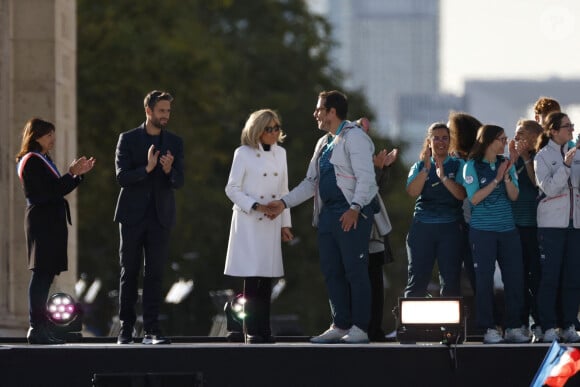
x: 324, y: 341
x: 156, y: 342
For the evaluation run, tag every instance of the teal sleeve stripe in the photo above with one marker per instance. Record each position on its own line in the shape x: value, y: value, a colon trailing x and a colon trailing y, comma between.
x: 470, y: 181
x: 413, y: 172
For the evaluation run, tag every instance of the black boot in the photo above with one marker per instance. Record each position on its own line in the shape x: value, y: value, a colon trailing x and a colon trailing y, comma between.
x: 40, y: 335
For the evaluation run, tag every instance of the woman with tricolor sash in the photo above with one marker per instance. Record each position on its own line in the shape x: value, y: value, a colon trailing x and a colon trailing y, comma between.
x: 46, y: 218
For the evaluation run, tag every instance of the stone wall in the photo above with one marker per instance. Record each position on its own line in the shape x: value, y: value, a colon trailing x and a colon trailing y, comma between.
x: 37, y: 78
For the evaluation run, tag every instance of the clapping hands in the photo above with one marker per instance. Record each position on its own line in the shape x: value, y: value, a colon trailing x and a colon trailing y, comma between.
x: 384, y: 159
x: 81, y: 166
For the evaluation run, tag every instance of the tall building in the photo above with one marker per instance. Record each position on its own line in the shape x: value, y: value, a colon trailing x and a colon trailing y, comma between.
x: 386, y: 49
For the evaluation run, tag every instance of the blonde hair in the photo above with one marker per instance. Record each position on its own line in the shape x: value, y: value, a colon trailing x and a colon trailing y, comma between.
x: 256, y: 124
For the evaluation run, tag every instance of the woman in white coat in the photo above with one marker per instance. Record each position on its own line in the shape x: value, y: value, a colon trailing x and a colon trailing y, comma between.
x: 258, y: 176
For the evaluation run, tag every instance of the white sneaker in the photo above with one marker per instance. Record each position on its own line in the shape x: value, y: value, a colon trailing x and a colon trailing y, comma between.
x: 492, y: 336
x: 569, y: 335
x: 537, y: 334
x: 550, y: 335
x: 330, y: 336
x: 516, y: 335
x: 526, y: 331
x: 355, y: 335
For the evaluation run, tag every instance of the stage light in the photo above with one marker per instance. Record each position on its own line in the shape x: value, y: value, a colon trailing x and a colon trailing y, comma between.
x: 61, y: 309
x: 431, y: 319
x: 65, y: 315
x: 237, y: 305
x: 235, y: 315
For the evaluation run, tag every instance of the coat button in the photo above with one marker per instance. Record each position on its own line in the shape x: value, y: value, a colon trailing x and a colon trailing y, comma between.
x: 265, y: 174
x: 262, y: 197
x: 275, y: 173
x: 273, y: 196
x: 259, y: 218
x: 258, y: 155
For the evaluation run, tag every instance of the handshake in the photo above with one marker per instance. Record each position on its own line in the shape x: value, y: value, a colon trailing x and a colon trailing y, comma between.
x: 272, y: 209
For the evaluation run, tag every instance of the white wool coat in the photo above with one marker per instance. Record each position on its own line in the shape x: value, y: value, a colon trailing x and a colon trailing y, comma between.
x: 255, y: 242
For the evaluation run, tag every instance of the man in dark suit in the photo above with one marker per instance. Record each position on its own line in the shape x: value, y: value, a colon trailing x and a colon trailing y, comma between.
x: 149, y: 167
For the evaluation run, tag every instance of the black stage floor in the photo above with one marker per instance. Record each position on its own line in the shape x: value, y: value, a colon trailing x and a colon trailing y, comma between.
x: 290, y: 362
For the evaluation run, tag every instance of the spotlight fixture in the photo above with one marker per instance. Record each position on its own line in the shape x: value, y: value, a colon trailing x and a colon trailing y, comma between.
x: 235, y: 316
x: 431, y: 319
x: 65, y: 315
x: 238, y: 307
x: 61, y: 309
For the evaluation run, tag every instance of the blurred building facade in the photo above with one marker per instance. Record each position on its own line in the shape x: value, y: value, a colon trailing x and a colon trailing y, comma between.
x: 386, y: 49
x: 390, y: 51
x: 504, y: 102
x: 415, y: 112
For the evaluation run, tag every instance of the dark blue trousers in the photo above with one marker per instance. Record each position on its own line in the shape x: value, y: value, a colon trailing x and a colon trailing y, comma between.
x: 532, y: 271
x: 430, y: 242
x: 560, y: 263
x: 487, y: 247
x: 344, y: 262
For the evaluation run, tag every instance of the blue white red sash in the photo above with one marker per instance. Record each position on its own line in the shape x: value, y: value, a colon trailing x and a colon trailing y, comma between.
x: 26, y: 157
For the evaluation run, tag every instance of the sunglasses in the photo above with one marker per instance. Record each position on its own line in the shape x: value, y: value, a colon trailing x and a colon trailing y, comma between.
x: 270, y: 129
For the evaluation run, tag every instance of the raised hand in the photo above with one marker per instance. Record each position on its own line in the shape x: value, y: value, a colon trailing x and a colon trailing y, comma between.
x: 166, y: 161
x: 81, y: 166
x: 514, y: 151
x: 569, y: 156
x: 426, y: 156
x: 152, y: 157
x: 502, y: 170
x: 380, y: 158
x: 391, y: 157
x: 440, y: 171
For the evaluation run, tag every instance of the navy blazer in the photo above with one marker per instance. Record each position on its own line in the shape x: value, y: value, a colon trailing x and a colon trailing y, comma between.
x: 139, y: 188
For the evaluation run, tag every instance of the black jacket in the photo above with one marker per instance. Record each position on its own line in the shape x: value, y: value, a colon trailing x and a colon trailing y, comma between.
x: 47, y: 214
x: 139, y: 188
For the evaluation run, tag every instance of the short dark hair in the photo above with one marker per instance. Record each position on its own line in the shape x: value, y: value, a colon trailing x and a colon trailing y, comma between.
x: 337, y: 100
x: 155, y: 96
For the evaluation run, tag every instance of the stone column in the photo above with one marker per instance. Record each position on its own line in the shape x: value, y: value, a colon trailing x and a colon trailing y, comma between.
x: 37, y: 78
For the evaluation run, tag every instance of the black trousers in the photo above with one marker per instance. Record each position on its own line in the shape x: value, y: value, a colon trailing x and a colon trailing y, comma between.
x: 257, y: 292
x: 38, y: 289
x: 147, y: 241
x: 376, y: 261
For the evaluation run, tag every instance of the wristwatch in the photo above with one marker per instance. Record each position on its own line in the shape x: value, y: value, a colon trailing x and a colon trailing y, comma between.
x: 255, y: 206
x: 355, y: 206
